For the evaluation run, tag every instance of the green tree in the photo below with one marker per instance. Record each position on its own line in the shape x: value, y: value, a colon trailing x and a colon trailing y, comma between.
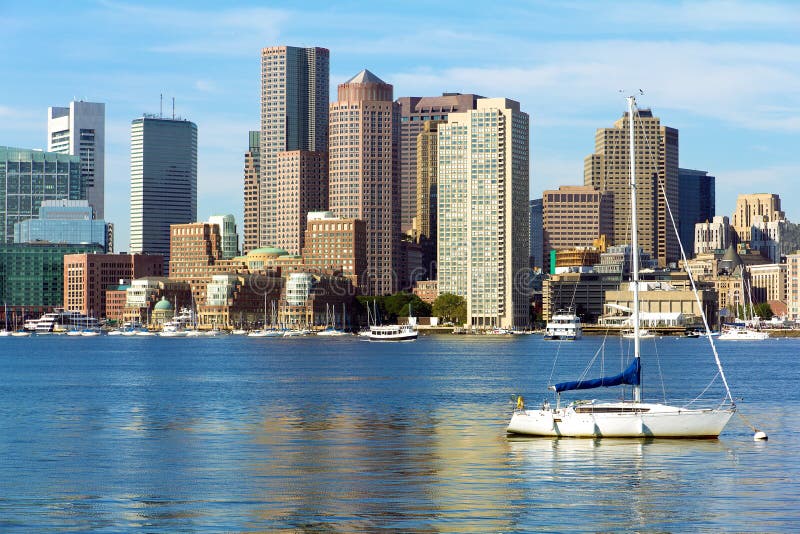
x: 397, y: 305
x: 450, y: 307
x: 764, y: 311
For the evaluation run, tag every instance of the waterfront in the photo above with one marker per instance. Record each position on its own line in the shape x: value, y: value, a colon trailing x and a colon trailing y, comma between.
x: 238, y: 433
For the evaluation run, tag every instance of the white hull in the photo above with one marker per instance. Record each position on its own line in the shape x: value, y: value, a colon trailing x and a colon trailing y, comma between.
x: 563, y: 325
x: 172, y: 333
x: 643, y: 334
x: 265, y: 333
x: 743, y: 334
x: 21, y: 334
x: 620, y: 420
x: 392, y: 333
x: 331, y: 333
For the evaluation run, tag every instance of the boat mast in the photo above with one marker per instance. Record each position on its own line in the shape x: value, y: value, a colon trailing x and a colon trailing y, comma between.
x: 637, y: 389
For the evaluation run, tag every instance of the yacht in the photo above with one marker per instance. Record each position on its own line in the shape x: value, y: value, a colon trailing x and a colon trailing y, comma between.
x: 64, y: 320
x: 742, y: 333
x: 563, y: 325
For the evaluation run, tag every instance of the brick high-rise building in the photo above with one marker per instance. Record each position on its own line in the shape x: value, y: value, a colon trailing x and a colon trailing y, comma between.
x: 302, y: 187
x: 252, y: 205
x: 575, y: 216
x: 338, y: 244
x: 425, y: 220
x: 608, y: 169
x: 363, y: 172
x: 414, y: 112
x: 87, y: 276
x: 294, y: 116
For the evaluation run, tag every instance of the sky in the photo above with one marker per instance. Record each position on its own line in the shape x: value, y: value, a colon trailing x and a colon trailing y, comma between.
x: 725, y: 73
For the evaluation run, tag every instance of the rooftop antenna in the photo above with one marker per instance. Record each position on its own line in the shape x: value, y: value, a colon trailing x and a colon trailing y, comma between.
x: 161, y: 106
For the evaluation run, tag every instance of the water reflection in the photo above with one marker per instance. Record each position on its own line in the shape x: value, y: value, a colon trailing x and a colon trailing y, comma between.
x: 620, y: 483
x: 397, y: 470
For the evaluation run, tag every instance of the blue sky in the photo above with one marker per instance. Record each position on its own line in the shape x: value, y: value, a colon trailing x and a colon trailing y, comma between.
x: 725, y: 73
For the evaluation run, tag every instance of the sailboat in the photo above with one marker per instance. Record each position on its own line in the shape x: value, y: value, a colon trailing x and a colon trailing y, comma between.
x: 5, y: 332
x: 330, y: 324
x: 746, y: 329
x: 625, y: 419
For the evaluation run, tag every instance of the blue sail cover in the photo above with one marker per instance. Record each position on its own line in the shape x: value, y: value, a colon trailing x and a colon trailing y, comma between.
x: 629, y: 376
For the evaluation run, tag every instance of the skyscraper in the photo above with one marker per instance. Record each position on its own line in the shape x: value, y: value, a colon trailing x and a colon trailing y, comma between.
x: 363, y: 172
x: 163, y: 181
x: 537, y: 233
x: 29, y: 177
x: 230, y: 238
x: 414, y: 111
x: 301, y: 187
x: 252, y: 205
x: 294, y: 116
x: 483, y: 237
x: 80, y: 130
x: 425, y: 220
x: 575, y: 216
x: 697, y: 204
x: 608, y: 169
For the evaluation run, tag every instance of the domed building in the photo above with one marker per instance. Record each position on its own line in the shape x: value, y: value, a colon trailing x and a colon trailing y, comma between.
x: 263, y: 258
x: 163, y: 311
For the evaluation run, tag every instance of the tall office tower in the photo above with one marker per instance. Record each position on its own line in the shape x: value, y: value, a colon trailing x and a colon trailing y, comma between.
x: 575, y: 216
x: 697, y: 204
x: 252, y: 206
x: 294, y: 116
x: 608, y: 169
x: 363, y: 172
x: 302, y: 187
x: 483, y: 214
x: 29, y: 177
x: 414, y: 111
x: 537, y: 234
x: 163, y: 181
x: 230, y: 237
x: 425, y: 220
x: 754, y: 209
x: 80, y: 130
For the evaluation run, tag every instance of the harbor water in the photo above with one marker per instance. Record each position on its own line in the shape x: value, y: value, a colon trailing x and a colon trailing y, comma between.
x: 343, y: 435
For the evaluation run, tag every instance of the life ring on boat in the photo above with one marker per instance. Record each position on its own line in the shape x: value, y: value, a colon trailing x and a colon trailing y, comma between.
x: 520, y: 403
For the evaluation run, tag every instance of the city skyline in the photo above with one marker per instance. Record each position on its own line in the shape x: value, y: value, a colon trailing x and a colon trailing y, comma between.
x: 564, y: 64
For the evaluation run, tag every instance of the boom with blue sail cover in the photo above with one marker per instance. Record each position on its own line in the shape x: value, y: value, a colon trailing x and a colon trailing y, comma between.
x: 630, y: 376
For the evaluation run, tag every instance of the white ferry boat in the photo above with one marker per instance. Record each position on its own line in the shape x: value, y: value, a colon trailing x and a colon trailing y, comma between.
x: 563, y: 325
x: 392, y: 332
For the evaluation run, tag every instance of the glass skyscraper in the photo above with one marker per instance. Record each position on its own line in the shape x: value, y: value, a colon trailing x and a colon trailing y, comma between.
x: 63, y: 221
x: 163, y: 181
x: 28, y: 177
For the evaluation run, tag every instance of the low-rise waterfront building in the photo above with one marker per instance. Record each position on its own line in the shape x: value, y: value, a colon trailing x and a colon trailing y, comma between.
x: 87, y: 276
x: 32, y: 275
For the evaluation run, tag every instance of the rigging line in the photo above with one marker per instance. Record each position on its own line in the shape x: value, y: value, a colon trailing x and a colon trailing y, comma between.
x: 663, y: 192
x: 697, y: 299
x: 660, y: 371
